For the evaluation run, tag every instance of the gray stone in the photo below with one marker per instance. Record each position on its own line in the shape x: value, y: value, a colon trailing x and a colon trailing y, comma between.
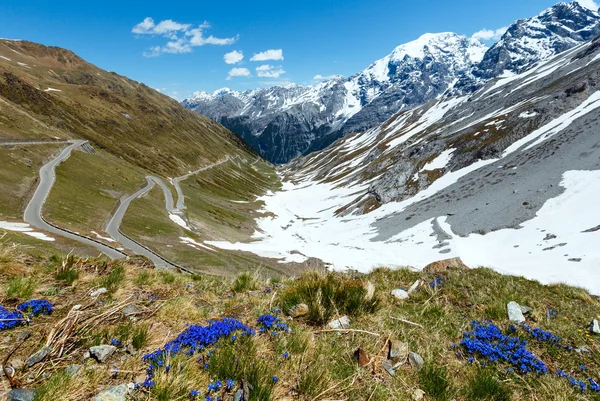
x: 515, y: 314
x: 416, y: 361
x: 21, y: 394
x: 113, y: 393
x: 398, y: 351
x: 38, y: 356
x: 341, y: 323
x: 594, y: 326
x: 131, y: 310
x: 584, y: 349
x: 102, y: 352
x: 98, y: 292
x: 73, y: 370
x: 239, y: 395
x: 418, y: 395
x: 389, y: 367
x: 525, y: 309
x: 400, y: 294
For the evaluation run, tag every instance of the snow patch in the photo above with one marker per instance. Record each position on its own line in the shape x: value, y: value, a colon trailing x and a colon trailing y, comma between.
x: 52, y: 90
x: 178, y: 220
x: 194, y: 244
x: 24, y: 228
x: 101, y: 237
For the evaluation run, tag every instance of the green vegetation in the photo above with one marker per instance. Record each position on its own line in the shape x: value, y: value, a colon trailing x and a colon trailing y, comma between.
x: 246, y: 282
x: 87, y: 190
x: 18, y: 175
x: 309, y: 361
x: 20, y: 288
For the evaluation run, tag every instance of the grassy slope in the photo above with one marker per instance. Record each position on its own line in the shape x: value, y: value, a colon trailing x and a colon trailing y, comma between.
x: 18, y: 174
x: 88, y: 188
x: 125, y: 117
x: 212, y: 216
x: 321, y: 364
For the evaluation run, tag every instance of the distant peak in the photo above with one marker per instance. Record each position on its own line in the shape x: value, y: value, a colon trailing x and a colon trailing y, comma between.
x: 445, y: 41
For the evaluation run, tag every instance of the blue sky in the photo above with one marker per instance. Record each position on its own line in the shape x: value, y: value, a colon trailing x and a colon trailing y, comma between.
x: 305, y: 38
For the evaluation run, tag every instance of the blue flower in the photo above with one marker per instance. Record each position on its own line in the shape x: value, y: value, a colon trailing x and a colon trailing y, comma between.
x: 275, y: 379
x: 285, y: 355
x: 229, y: 383
x: 115, y: 342
x: 194, y: 393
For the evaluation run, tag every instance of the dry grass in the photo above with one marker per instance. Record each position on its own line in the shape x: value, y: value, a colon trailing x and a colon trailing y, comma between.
x: 320, y: 365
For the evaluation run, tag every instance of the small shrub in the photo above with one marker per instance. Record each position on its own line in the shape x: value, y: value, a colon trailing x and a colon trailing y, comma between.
x: 327, y: 296
x: 140, y: 337
x: 245, y: 282
x: 167, y: 277
x: 67, y: 270
x: 434, y: 381
x: 20, y: 287
x: 143, y: 278
x: 54, y: 388
x: 485, y: 387
x: 114, y: 278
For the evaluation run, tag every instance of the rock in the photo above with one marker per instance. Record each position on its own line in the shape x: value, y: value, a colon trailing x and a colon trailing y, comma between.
x: 414, y: 286
x: 398, y: 351
x: 416, y: 361
x: 441, y: 266
x: 86, y: 356
x: 24, y: 335
x: 549, y: 237
x: 341, y: 323
x: 400, y: 294
x: 21, y: 394
x: 582, y: 350
x: 239, y: 395
x: 418, y: 395
x: 370, y: 291
x: 38, y: 356
x: 362, y: 357
x: 525, y: 309
x: 98, y: 292
x: 102, y: 352
x: 17, y: 363
x: 113, y: 393
x: 515, y: 314
x: 131, y: 311
x: 594, y: 326
x: 298, y: 310
x: 389, y: 367
x: 73, y: 370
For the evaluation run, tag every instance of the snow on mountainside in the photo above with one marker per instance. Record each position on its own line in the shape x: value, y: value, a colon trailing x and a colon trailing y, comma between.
x: 530, y: 40
x: 507, y: 178
x: 282, y: 122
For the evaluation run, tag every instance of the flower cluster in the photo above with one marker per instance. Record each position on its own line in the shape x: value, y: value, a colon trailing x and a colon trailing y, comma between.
x: 541, y: 335
x: 438, y: 282
x: 194, y: 339
x: 36, y: 307
x: 271, y: 323
x: 489, y: 342
x: 581, y: 385
x: 10, y: 319
x: 32, y: 308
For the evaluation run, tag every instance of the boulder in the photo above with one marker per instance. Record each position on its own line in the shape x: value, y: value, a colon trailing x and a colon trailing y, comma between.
x: 113, y: 393
x: 102, y: 352
x: 341, y: 323
x: 441, y: 266
x: 400, y: 294
x: 416, y: 361
x: 515, y: 314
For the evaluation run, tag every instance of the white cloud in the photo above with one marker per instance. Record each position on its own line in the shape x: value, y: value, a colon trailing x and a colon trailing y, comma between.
x: 591, y: 4
x: 181, y: 37
x: 272, y: 54
x: 269, y: 71
x: 238, y: 72
x: 320, y: 77
x: 489, y: 34
x: 233, y: 57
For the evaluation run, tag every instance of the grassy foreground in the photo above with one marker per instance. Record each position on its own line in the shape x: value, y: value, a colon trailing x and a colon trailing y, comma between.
x: 284, y: 358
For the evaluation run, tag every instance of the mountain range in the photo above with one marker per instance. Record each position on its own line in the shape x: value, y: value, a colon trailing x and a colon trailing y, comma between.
x: 282, y: 123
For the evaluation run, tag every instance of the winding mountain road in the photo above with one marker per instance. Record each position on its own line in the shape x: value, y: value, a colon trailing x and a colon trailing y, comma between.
x: 180, y: 196
x: 33, y: 211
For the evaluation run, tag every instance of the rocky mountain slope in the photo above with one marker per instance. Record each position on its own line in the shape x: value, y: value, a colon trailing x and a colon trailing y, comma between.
x: 48, y: 92
x: 504, y: 178
x: 284, y: 122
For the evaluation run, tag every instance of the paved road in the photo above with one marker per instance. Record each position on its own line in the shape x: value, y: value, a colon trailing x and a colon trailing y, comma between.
x: 113, y: 227
x: 180, y: 196
x: 33, y: 212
